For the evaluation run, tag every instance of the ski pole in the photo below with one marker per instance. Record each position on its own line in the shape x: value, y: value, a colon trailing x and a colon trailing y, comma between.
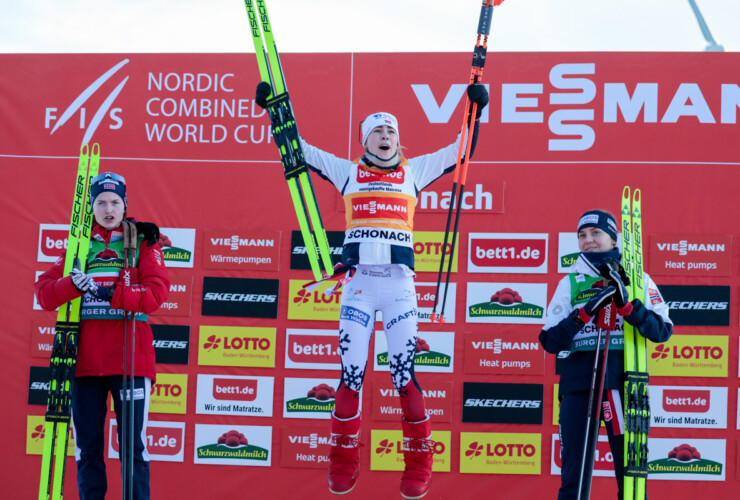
x: 132, y: 247
x: 463, y: 155
x: 605, y: 321
x: 123, y: 441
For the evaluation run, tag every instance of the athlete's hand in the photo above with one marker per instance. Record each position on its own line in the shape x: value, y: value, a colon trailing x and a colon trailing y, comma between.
x: 596, y: 303
x: 263, y: 92
x: 478, y: 94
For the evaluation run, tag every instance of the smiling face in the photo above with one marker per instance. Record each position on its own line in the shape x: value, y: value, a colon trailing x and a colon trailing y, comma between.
x: 108, y: 210
x: 382, y: 143
x: 593, y: 239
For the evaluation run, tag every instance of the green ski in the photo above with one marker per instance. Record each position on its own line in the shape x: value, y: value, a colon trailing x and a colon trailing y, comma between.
x: 636, y: 404
x: 64, y: 350
x: 285, y: 132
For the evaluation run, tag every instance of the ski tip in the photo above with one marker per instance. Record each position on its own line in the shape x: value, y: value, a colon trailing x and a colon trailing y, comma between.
x: 96, y: 149
x: 637, y: 194
x: 83, y: 149
x: 626, y: 192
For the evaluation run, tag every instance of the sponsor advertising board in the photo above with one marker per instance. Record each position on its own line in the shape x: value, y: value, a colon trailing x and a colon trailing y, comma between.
x: 507, y: 253
x: 691, y: 255
x: 233, y: 445
x: 240, y: 297
x: 305, y: 447
x: 504, y: 354
x: 312, y: 349
x: 438, y: 395
x: 386, y: 450
x: 502, y: 403
x: 169, y: 394
x: 698, y: 305
x: 689, y: 356
x: 500, y: 453
x: 309, y: 397
x: 684, y: 407
x: 687, y: 459
x: 434, y: 355
x: 171, y: 344
x: 524, y: 303
x: 182, y: 249
x: 603, y: 459
x: 165, y: 441
x: 236, y: 346
x: 234, y: 395
x: 179, y: 298
x: 245, y: 250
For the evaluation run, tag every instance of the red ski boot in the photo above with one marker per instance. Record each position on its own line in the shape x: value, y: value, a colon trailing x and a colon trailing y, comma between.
x: 418, y: 455
x: 344, y: 458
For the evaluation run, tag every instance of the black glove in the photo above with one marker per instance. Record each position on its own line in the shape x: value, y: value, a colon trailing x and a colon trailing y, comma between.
x: 263, y: 92
x: 103, y: 292
x: 614, y: 272
x: 478, y: 94
x: 149, y: 230
x: 596, y: 303
x: 80, y: 280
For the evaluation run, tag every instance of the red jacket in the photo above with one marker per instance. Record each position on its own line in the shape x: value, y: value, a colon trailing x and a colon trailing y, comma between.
x: 100, y: 346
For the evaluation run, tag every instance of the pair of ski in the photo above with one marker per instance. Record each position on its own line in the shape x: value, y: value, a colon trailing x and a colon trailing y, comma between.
x: 285, y: 133
x: 66, y: 332
x: 636, y: 403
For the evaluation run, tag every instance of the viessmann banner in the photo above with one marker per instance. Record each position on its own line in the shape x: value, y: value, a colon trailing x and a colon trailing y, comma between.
x: 200, y: 105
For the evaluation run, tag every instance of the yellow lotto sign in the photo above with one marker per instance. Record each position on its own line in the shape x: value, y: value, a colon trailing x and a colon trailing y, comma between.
x: 169, y: 394
x: 236, y: 346
x: 36, y: 433
x: 428, y: 250
x: 690, y: 356
x: 306, y: 305
x: 555, y: 405
x: 500, y: 453
x: 386, y: 450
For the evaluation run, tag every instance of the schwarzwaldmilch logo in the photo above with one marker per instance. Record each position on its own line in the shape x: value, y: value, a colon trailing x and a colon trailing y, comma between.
x: 233, y: 444
x: 684, y: 459
x: 505, y: 303
x: 424, y: 356
x: 319, y: 399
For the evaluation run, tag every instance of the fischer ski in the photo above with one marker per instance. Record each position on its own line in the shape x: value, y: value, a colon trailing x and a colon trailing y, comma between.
x: 466, y: 140
x: 285, y: 132
x: 64, y: 350
x: 636, y: 404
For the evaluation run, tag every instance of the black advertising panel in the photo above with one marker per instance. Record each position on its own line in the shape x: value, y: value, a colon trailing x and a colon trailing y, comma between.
x: 698, y: 305
x: 502, y: 403
x: 171, y: 344
x: 299, y: 256
x: 240, y: 297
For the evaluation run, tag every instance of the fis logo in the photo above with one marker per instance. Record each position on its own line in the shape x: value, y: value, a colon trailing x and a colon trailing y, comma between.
x: 105, y: 109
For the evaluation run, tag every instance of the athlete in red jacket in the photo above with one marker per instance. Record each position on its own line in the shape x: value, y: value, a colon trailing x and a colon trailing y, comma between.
x: 99, y: 367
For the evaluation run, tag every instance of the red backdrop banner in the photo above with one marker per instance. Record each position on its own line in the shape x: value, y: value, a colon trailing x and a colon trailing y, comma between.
x: 564, y: 132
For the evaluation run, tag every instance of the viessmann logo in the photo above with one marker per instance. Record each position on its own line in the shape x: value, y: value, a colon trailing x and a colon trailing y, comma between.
x: 90, y: 124
x: 379, y: 207
x: 573, y: 84
x: 235, y: 242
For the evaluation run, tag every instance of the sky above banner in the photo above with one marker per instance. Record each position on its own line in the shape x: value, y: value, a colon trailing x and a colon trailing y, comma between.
x: 133, y: 26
